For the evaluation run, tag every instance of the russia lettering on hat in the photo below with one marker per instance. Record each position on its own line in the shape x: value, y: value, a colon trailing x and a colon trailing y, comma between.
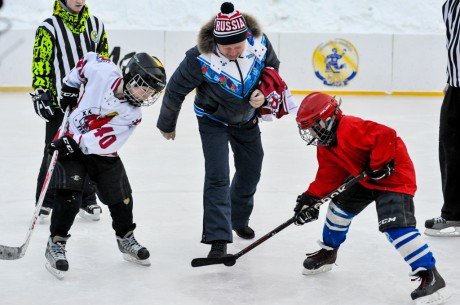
x: 229, y: 26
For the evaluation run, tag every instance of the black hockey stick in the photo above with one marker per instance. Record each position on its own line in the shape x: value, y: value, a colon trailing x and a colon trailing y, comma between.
x: 230, y: 259
x: 11, y: 253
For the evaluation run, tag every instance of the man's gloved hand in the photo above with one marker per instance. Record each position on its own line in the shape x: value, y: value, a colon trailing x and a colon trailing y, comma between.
x: 69, y: 97
x: 304, y: 210
x: 43, y: 103
x: 66, y: 146
x: 385, y: 171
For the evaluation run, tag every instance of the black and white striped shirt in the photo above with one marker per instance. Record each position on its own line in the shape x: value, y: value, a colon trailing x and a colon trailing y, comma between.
x: 70, y: 47
x: 451, y: 15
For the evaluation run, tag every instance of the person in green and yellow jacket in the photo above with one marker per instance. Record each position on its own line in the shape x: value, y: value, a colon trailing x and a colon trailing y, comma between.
x: 60, y: 41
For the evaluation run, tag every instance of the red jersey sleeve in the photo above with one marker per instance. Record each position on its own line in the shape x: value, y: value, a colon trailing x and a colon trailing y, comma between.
x: 329, y: 176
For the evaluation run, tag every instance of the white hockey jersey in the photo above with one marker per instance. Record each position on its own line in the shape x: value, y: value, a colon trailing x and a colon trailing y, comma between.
x: 100, y: 123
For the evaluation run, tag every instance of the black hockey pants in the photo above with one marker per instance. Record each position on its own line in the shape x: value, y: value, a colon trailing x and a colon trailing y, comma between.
x: 113, y: 189
x: 89, y: 195
x: 449, y: 153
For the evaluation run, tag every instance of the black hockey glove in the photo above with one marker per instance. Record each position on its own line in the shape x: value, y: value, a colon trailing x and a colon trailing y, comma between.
x: 69, y: 96
x: 66, y: 146
x: 385, y: 171
x: 304, y: 210
x: 43, y: 103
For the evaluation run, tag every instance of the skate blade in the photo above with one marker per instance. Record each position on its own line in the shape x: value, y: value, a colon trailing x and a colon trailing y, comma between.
x: 322, y: 269
x: 436, y: 298
x: 446, y: 232
x: 43, y: 218
x: 57, y: 273
x: 143, y: 262
x: 93, y: 217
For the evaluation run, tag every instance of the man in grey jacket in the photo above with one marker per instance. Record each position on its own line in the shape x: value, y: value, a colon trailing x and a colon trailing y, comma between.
x: 225, y: 69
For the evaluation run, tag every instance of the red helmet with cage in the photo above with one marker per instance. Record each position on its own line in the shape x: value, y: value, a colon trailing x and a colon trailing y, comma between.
x: 317, y: 118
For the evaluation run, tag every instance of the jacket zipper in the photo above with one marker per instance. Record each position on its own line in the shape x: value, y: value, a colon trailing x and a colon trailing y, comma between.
x: 241, y: 77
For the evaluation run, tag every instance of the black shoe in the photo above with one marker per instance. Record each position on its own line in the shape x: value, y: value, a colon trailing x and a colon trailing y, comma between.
x: 319, y: 261
x: 432, y: 287
x: 245, y: 233
x: 218, y: 249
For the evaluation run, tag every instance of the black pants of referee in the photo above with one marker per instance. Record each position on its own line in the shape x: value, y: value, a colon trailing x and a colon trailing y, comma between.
x: 449, y: 153
x: 89, y: 195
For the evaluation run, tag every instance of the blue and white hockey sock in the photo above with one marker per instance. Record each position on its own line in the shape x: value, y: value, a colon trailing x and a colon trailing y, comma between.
x: 336, y: 226
x: 411, y: 246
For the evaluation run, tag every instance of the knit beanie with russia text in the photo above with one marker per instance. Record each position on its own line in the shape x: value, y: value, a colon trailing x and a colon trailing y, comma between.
x: 229, y: 26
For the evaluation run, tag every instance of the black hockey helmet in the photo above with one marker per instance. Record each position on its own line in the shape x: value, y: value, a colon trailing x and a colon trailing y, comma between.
x: 144, y: 78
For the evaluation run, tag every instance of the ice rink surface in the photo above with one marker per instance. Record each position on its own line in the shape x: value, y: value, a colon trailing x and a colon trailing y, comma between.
x: 167, y: 179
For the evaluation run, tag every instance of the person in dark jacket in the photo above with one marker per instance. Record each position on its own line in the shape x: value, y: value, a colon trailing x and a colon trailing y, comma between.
x: 225, y: 69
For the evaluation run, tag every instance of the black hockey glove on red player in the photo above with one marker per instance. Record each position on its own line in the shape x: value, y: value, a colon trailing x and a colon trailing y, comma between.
x: 43, y: 103
x: 385, y: 171
x: 66, y: 146
x: 69, y: 96
x: 304, y: 210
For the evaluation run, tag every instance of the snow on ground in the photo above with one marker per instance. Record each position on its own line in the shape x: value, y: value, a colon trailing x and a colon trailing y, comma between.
x: 308, y: 16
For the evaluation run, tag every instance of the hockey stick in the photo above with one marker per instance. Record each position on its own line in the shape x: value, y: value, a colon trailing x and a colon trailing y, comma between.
x: 230, y: 259
x: 11, y: 253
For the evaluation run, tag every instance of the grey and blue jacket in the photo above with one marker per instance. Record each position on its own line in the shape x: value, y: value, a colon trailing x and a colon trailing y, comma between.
x: 223, y: 87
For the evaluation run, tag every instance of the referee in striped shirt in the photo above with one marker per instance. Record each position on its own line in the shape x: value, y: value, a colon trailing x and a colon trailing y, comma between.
x: 60, y: 41
x: 448, y: 224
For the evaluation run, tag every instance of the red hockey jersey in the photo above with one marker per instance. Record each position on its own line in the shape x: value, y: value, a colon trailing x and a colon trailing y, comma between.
x: 361, y: 142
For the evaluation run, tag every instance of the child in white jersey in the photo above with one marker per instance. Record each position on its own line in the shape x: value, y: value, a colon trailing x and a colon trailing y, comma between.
x: 100, y: 122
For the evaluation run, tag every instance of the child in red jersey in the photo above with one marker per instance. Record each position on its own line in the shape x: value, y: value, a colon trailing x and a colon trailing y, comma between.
x: 348, y: 145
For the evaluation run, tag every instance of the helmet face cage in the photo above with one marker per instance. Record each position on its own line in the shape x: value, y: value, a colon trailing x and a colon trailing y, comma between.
x: 144, y: 79
x: 322, y: 132
x: 139, y: 93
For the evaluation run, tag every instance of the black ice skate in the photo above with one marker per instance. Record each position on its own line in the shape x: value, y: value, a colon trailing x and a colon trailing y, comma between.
x: 44, y: 213
x: 56, y: 261
x: 432, y: 289
x: 320, y: 261
x: 245, y: 233
x: 132, y: 250
x: 441, y: 227
x: 218, y: 249
x: 90, y: 212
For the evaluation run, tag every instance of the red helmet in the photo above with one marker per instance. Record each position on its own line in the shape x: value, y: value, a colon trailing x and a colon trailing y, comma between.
x: 317, y: 117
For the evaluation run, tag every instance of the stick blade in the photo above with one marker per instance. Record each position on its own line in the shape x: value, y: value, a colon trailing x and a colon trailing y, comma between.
x: 10, y: 253
x: 227, y: 260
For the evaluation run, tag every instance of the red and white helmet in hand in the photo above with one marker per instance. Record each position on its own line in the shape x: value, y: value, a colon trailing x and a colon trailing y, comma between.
x: 317, y: 118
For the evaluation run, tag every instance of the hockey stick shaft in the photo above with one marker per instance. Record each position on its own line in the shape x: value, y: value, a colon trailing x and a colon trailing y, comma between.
x: 12, y: 253
x: 323, y: 200
x: 230, y: 260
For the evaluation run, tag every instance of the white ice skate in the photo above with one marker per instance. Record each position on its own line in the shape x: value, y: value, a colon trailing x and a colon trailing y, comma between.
x: 132, y: 250
x: 44, y: 214
x: 91, y: 212
x: 440, y: 227
x: 56, y: 261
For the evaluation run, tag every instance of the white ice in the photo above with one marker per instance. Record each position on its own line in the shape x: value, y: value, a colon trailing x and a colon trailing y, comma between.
x: 167, y: 178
